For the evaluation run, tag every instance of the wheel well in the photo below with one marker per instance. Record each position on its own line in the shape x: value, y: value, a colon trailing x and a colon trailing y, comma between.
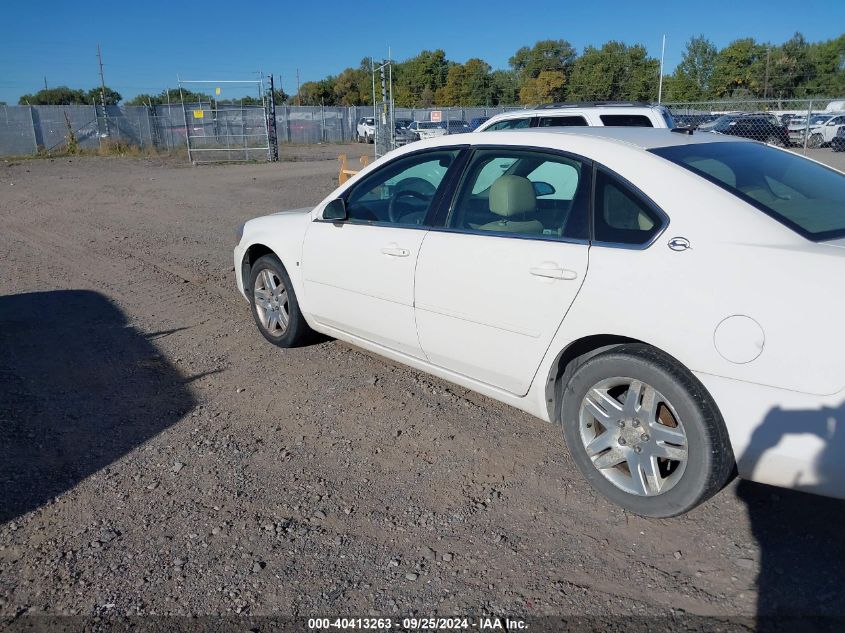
x: 253, y: 253
x: 568, y: 360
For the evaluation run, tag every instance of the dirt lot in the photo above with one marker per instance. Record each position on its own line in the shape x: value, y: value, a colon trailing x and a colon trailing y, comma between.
x: 157, y: 456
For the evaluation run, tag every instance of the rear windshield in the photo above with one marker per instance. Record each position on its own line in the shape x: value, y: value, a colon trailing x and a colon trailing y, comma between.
x: 807, y: 197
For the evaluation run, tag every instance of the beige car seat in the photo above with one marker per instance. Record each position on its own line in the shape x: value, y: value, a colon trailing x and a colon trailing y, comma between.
x: 510, y: 197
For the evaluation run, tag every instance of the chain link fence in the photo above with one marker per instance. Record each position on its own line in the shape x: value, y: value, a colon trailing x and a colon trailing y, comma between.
x: 27, y: 130
x: 802, y: 123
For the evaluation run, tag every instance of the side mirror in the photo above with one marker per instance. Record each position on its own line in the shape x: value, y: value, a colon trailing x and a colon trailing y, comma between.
x: 335, y: 210
x: 543, y: 189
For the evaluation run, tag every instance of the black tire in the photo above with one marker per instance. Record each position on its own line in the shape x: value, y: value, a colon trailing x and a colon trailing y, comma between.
x: 776, y: 141
x: 815, y: 141
x: 297, y: 331
x: 710, y: 460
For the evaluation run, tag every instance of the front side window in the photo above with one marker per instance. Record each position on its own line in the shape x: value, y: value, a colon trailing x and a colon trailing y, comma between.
x: 807, y: 197
x: 625, y: 120
x: 621, y: 215
x: 523, y: 193
x: 509, y: 124
x: 401, y: 192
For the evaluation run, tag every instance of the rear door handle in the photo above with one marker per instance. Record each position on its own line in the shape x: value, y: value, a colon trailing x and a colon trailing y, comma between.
x: 553, y: 271
x: 394, y: 251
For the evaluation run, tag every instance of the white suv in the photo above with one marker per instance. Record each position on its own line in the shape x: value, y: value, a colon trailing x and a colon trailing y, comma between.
x: 593, y: 114
x: 366, y: 129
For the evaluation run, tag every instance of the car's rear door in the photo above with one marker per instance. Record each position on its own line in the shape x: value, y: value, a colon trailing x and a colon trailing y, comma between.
x: 359, y: 273
x: 495, y: 281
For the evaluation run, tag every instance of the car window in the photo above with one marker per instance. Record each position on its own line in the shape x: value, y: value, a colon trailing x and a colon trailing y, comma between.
x: 561, y: 121
x: 509, y: 124
x: 621, y: 215
x: 402, y: 191
x: 807, y: 197
x: 626, y: 120
x: 515, y: 192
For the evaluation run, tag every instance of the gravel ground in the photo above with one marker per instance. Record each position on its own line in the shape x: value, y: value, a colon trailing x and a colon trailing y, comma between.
x: 157, y: 456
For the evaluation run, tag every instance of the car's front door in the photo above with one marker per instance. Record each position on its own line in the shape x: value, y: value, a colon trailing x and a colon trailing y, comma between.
x: 494, y: 283
x: 359, y: 273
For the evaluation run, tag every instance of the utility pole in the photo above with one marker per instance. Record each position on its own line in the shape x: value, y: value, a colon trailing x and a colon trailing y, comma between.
x: 298, y: 98
x: 766, y: 83
x: 45, y: 82
x: 272, y: 135
x: 660, y: 85
x: 102, y: 87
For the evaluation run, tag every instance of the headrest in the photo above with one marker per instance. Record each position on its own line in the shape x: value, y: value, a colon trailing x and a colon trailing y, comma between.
x: 512, y: 195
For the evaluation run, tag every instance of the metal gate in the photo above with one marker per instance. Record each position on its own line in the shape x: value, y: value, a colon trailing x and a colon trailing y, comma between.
x: 226, y: 133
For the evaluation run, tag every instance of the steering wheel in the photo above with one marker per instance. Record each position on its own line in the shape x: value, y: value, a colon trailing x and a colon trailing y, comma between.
x: 417, y: 188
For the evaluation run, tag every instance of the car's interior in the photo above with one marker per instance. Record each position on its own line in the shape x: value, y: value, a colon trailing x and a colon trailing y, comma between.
x: 523, y: 193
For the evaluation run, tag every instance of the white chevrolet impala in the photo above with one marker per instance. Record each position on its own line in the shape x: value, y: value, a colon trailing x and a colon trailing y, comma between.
x: 675, y: 302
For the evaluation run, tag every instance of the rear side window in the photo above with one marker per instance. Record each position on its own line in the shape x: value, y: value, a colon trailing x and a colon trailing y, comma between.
x: 625, y: 120
x: 621, y: 215
x: 807, y: 197
x: 509, y: 124
x: 561, y: 121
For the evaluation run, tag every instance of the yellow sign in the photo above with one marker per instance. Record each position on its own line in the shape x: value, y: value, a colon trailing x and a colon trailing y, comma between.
x: 199, y: 114
x: 217, y: 91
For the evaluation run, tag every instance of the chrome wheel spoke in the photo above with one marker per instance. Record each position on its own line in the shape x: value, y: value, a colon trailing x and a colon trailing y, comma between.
x: 261, y: 295
x: 603, y: 406
x: 269, y: 282
x: 611, y: 458
x: 602, y: 442
x: 632, y: 398
x: 648, y: 409
x: 663, y: 433
x: 667, y: 451
x: 639, y: 473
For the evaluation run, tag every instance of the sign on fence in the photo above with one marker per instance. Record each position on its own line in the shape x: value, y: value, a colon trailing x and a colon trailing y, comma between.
x: 436, y: 116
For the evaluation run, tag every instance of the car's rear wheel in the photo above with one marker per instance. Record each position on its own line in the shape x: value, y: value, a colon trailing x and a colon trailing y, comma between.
x: 776, y: 141
x: 815, y: 141
x: 274, y: 304
x: 644, y: 432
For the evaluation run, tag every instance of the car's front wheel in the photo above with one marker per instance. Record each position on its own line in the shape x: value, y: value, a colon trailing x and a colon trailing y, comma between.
x: 815, y: 141
x: 274, y: 304
x: 644, y: 432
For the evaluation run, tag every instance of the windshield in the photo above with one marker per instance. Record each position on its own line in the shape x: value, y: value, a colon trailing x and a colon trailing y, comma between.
x: 807, y: 197
x: 428, y: 125
x: 719, y: 124
x: 820, y: 118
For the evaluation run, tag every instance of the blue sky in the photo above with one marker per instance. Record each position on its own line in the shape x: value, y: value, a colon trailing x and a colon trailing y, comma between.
x: 146, y: 44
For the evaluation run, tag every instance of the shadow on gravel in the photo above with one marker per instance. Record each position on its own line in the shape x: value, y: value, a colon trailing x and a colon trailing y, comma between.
x: 79, y: 388
x: 802, y: 564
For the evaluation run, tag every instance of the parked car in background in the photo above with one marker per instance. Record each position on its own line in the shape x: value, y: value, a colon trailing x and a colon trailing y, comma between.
x: 593, y: 113
x: 665, y: 298
x: 455, y: 126
x: 758, y: 127
x: 403, y: 123
x: 426, y: 129
x: 402, y: 135
x: 798, y: 126
x: 475, y: 122
x: 838, y: 141
x: 822, y: 135
x: 693, y: 120
x: 366, y: 129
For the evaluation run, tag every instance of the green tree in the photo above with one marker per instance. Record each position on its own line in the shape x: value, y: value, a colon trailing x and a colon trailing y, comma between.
x: 739, y: 69
x: 172, y: 96
x: 691, y: 79
x: 555, y: 55
x: 318, y: 92
x: 544, y: 88
x: 112, y: 96
x: 428, y: 70
x: 466, y: 85
x: 61, y: 95
x: 615, y: 71
x: 504, y: 87
x: 827, y: 60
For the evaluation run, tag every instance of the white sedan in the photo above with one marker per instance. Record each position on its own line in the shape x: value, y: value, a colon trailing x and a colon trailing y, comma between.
x: 673, y: 301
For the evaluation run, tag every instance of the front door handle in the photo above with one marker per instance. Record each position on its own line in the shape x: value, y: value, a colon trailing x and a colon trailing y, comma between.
x: 553, y: 271
x: 394, y: 251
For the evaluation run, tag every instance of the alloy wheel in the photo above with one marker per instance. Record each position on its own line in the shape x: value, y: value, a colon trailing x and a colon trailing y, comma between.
x: 633, y: 436
x: 271, y: 302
